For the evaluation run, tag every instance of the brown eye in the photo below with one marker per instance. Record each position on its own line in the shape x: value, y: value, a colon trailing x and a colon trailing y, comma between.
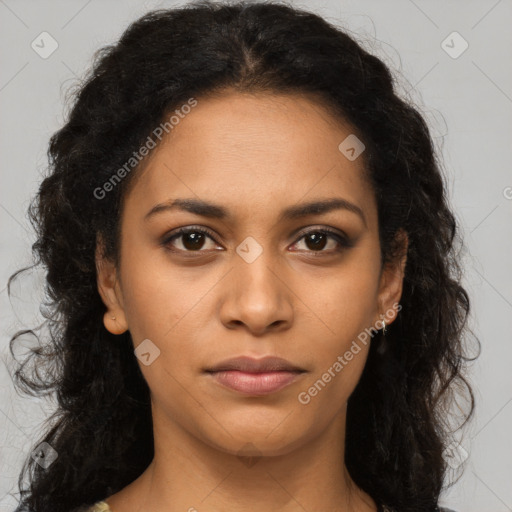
x: 192, y: 239
x: 319, y: 239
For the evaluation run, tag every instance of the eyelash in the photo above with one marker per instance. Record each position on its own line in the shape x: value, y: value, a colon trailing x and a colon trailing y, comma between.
x: 342, y: 241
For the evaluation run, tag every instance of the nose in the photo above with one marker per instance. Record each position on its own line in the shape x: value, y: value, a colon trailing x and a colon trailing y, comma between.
x: 257, y: 298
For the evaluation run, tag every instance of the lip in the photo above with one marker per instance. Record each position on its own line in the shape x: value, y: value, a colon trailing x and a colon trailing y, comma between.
x: 256, y: 384
x: 252, y: 365
x: 255, y: 377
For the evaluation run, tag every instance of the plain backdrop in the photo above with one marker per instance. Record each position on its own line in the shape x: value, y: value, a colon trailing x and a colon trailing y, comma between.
x: 461, y: 82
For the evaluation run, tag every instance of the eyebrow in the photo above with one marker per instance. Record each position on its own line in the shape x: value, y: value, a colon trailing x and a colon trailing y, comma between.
x: 214, y: 211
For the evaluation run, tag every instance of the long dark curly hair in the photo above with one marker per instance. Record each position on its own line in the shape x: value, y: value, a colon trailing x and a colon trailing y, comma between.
x: 398, y: 416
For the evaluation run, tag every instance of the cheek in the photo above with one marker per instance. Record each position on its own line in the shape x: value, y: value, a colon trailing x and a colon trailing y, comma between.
x: 169, y: 306
x: 344, y: 304
x: 157, y: 296
x: 150, y: 305
x: 340, y: 357
x: 327, y: 392
x: 345, y: 307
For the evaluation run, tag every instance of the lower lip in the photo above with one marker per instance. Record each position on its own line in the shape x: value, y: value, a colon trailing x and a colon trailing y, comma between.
x: 255, y: 383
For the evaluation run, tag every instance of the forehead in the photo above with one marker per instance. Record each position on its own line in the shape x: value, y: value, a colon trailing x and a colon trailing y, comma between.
x: 247, y: 151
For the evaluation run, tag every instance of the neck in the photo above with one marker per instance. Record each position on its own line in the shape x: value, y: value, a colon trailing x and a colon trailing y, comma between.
x: 189, y: 474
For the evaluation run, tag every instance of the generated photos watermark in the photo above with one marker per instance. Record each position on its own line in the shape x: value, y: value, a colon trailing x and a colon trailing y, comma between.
x: 144, y: 150
x: 304, y: 397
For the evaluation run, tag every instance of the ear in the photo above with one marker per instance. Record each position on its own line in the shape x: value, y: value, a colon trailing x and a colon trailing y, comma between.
x: 108, y: 287
x: 391, y: 282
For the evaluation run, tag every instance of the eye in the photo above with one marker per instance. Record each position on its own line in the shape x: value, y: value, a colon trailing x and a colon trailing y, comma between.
x: 316, y: 240
x: 192, y: 239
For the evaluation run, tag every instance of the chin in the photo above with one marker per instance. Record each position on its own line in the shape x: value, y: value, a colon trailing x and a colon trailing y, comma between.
x: 249, y: 441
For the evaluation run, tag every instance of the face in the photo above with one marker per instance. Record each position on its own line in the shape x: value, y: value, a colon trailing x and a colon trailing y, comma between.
x: 268, y: 277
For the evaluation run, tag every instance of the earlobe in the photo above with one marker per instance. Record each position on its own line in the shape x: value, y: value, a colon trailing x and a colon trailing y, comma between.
x: 112, y: 324
x: 108, y: 287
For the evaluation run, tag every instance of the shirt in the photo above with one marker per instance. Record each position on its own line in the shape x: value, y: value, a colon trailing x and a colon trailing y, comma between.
x: 100, y: 506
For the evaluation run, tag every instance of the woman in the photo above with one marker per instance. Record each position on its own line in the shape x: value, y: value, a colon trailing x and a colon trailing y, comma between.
x: 255, y: 302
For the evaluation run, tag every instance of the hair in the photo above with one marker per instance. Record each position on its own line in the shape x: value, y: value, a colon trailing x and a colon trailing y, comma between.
x: 397, y: 426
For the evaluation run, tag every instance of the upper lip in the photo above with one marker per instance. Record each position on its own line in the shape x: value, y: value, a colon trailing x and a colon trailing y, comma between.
x: 252, y: 365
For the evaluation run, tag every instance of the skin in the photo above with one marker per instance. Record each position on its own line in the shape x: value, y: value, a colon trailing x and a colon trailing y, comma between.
x: 255, y: 155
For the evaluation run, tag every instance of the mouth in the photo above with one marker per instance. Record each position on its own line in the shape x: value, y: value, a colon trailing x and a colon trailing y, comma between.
x: 256, y: 377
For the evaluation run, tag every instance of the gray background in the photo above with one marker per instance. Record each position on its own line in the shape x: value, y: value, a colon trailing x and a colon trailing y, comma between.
x: 467, y: 101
